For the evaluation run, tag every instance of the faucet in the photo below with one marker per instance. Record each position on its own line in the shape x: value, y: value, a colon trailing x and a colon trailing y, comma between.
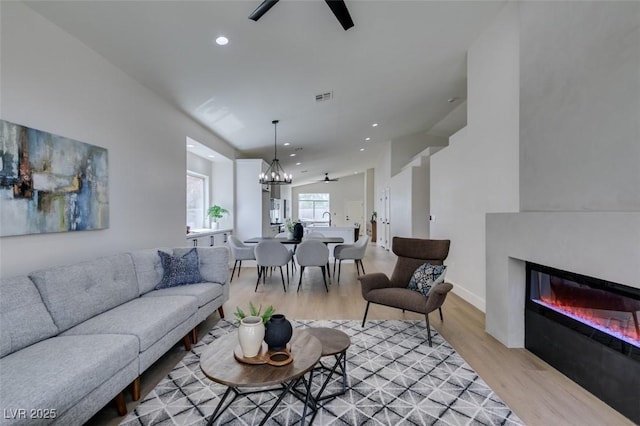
x: 329, y: 217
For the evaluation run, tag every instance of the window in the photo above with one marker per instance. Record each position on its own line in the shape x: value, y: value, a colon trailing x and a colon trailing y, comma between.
x: 312, y: 206
x: 197, y: 200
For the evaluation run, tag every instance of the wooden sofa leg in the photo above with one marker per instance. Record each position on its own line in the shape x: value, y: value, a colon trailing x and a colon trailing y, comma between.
x: 121, y: 406
x: 187, y: 342
x: 135, y: 389
x: 194, y: 335
x: 220, y: 312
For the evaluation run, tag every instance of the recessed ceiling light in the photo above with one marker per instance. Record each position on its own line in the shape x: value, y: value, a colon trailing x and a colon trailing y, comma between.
x: 361, y: 149
x: 222, y: 41
x: 190, y: 145
x: 297, y: 164
x: 355, y: 173
x: 374, y: 125
x: 292, y: 155
x: 367, y: 139
x: 287, y: 144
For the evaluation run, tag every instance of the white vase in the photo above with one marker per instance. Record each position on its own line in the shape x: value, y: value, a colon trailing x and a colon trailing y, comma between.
x: 250, y: 336
x: 215, y: 225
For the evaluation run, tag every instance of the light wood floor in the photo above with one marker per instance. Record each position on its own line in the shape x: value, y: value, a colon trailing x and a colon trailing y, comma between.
x: 536, y: 392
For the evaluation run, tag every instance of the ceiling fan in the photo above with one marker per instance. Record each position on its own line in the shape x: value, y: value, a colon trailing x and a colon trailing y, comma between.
x: 327, y: 179
x: 338, y: 7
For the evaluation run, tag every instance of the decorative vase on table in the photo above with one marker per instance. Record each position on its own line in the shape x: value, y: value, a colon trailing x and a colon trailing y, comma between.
x: 250, y: 335
x: 298, y: 231
x: 278, y: 332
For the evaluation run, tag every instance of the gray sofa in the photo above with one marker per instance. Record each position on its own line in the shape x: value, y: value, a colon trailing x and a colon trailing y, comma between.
x: 72, y: 338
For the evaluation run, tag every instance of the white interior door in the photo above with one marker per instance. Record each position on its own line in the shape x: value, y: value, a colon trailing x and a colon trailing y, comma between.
x: 354, y: 212
x: 387, y: 219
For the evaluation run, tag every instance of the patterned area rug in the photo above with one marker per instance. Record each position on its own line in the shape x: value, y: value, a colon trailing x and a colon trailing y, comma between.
x: 394, y: 378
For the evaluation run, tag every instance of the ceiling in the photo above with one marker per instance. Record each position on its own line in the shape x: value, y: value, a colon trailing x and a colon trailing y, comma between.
x: 397, y: 67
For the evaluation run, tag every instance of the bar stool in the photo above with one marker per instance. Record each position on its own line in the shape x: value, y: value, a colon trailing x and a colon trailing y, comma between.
x: 334, y: 343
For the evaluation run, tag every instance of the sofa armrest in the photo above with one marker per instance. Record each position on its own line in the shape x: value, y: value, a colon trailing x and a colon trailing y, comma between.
x: 214, y: 264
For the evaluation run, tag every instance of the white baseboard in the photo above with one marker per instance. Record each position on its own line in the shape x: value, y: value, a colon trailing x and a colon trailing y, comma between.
x: 470, y: 297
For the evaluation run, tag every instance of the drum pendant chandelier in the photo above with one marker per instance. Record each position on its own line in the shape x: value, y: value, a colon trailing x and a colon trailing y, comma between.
x: 275, y: 174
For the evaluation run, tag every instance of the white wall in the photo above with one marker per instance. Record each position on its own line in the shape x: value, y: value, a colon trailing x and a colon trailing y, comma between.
x: 222, y: 193
x: 410, y: 207
x: 52, y: 82
x: 580, y: 106
x: 580, y: 150
x: 478, y: 172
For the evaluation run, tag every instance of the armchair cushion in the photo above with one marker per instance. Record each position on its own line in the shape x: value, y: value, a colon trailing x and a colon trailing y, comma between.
x: 425, y: 277
x: 179, y: 270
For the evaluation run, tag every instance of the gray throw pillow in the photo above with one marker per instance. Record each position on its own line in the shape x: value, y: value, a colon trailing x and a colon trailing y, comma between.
x: 425, y: 277
x: 179, y: 270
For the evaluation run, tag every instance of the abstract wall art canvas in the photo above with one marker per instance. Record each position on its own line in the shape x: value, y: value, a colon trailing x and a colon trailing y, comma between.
x: 49, y: 183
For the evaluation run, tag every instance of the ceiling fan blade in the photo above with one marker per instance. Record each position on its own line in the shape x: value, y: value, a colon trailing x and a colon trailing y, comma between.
x: 262, y: 9
x: 339, y: 8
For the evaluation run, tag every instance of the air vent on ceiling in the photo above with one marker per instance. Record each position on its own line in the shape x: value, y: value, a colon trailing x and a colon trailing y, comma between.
x: 326, y: 96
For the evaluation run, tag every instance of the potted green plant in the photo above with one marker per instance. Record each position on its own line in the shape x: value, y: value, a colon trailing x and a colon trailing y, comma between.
x: 255, y: 312
x: 216, y: 212
x: 289, y: 225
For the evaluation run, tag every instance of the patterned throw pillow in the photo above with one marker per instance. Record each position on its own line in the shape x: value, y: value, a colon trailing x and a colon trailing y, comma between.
x: 179, y: 270
x: 427, y: 276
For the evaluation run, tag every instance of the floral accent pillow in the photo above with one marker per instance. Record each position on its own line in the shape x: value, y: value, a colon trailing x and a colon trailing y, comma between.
x: 425, y: 277
x: 179, y: 270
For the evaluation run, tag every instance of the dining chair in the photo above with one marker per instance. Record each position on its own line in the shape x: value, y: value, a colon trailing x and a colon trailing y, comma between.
x: 272, y: 253
x: 353, y: 251
x: 313, y: 253
x: 316, y: 234
x: 291, y: 248
x: 240, y: 252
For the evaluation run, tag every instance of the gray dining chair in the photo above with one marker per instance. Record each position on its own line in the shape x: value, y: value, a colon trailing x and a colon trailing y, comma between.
x: 312, y: 253
x: 291, y: 248
x: 353, y: 251
x: 271, y: 254
x: 240, y: 252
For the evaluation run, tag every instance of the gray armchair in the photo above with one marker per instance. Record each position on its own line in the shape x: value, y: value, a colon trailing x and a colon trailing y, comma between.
x: 240, y: 252
x: 412, y: 253
x: 269, y: 254
x: 312, y: 253
x: 353, y: 251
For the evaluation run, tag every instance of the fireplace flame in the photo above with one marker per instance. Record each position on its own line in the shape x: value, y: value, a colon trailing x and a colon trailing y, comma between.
x: 622, y: 325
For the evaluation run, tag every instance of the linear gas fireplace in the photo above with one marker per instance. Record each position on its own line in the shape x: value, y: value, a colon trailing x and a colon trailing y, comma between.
x: 588, y: 329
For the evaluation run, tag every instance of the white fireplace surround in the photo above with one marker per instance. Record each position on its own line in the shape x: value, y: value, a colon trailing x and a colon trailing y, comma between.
x: 603, y: 245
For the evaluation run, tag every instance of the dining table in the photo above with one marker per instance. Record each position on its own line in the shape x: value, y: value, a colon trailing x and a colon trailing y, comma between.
x: 296, y: 241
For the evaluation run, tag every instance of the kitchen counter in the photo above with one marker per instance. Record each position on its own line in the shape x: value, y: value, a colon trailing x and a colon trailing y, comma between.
x: 208, y: 237
x: 197, y: 233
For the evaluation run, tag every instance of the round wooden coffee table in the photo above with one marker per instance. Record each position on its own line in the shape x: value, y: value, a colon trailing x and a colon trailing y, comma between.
x: 218, y: 363
x: 334, y: 343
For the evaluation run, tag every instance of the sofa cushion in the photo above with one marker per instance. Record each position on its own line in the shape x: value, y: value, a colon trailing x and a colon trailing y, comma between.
x: 179, y: 270
x: 213, y: 263
x: 425, y: 277
x: 204, y: 292
x: 148, y: 268
x: 147, y: 318
x: 57, y: 373
x: 24, y: 319
x: 75, y: 293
